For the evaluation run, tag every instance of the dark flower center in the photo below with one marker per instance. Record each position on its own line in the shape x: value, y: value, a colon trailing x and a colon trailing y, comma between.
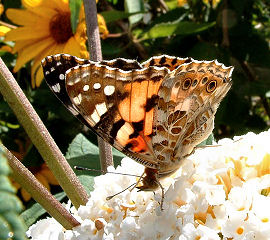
x: 60, y: 27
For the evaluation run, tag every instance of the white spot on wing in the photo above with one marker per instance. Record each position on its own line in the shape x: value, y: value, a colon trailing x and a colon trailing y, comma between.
x: 97, y: 86
x: 58, y: 63
x: 56, y: 88
x: 77, y: 100
x: 47, y: 72
x: 61, y: 76
x: 101, y: 108
x: 52, y: 69
x: 95, y: 116
x: 86, y: 88
x: 109, y: 90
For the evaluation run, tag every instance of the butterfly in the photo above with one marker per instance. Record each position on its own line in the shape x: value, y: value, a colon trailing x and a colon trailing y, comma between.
x: 155, y: 112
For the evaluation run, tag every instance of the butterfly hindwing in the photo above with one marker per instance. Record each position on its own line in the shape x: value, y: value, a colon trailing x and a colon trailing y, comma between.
x: 188, y: 101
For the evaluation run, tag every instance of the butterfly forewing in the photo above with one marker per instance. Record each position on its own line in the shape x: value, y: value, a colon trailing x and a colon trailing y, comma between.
x: 118, y: 105
x: 54, y: 69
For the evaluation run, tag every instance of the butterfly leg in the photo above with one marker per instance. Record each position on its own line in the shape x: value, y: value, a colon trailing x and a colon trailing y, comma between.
x: 162, y: 194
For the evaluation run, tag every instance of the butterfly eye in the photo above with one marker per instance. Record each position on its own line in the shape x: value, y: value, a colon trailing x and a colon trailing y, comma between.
x: 186, y: 83
x: 211, y: 86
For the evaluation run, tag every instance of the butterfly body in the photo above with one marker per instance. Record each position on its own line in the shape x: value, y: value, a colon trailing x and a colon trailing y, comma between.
x: 155, y: 112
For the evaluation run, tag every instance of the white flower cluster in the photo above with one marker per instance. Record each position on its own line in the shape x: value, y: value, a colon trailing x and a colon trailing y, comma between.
x: 220, y: 192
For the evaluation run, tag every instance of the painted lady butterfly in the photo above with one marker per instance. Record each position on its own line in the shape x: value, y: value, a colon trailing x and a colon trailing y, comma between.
x: 155, y: 112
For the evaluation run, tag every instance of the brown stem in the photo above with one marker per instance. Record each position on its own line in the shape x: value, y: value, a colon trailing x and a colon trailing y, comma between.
x: 28, y: 181
x: 90, y: 10
x: 140, y: 50
x: 40, y: 137
x: 225, y: 41
x: 8, y: 25
x: 163, y: 6
x: 265, y: 105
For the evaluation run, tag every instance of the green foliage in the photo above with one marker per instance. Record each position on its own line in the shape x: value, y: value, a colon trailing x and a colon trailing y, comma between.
x: 36, y: 211
x: 75, y: 7
x: 111, y: 16
x: 11, y: 225
x: 81, y: 152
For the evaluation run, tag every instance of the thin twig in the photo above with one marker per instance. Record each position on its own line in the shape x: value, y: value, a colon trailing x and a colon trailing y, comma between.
x: 28, y: 181
x: 40, y: 137
x: 225, y: 41
x: 164, y: 6
x: 8, y: 25
x: 140, y: 50
x: 90, y: 10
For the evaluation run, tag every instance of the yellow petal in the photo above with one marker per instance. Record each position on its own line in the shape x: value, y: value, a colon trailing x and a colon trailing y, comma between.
x: 4, y: 30
x: 47, y: 173
x: 1, y: 9
x: 264, y: 167
x: 31, y: 3
x: 19, y: 45
x: 6, y: 48
x: 27, y: 33
x: 32, y: 51
x: 57, y: 4
x: 102, y: 27
x: 42, y: 180
x: 25, y: 195
x: 181, y: 3
x: 44, y: 12
x: 36, y: 70
x: 22, y: 17
x: 72, y: 47
x: 15, y: 184
x: 38, y: 77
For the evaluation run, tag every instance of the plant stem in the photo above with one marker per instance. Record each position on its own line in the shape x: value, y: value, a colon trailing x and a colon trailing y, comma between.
x: 28, y: 181
x: 40, y: 137
x: 90, y: 10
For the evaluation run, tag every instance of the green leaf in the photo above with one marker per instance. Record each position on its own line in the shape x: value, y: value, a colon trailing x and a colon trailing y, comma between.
x: 75, y: 7
x: 208, y: 141
x: 32, y: 214
x: 113, y: 1
x: 133, y: 6
x: 171, y: 4
x: 111, y: 16
x: 11, y: 224
x: 82, y: 152
x: 176, y: 28
x: 88, y: 182
x: 9, y: 125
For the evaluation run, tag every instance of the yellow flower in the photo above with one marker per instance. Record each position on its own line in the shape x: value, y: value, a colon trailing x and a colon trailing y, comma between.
x: 1, y: 8
x: 4, y: 30
x: 214, y: 2
x: 45, y: 29
x: 42, y: 173
x: 181, y: 3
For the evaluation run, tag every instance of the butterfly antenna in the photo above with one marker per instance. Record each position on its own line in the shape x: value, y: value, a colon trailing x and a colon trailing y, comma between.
x: 218, y: 145
x: 112, y: 196
x: 132, y: 186
x: 104, y: 172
